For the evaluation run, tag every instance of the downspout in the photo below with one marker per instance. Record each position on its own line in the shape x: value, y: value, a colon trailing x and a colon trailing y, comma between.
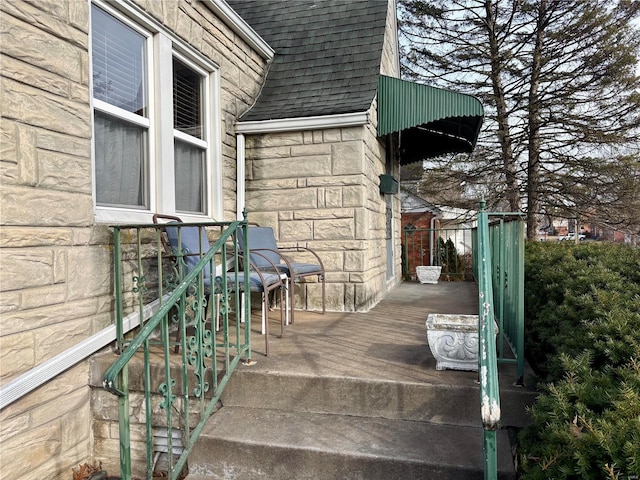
x: 432, y: 240
x: 240, y: 176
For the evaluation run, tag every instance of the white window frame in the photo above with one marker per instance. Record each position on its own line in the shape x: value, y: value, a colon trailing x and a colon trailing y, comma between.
x: 205, y: 142
x: 162, y: 47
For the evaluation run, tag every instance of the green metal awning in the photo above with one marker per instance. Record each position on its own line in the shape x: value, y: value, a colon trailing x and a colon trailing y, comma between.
x: 431, y: 121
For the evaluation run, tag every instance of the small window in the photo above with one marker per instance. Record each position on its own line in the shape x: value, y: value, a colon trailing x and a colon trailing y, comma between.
x: 120, y: 162
x: 119, y: 64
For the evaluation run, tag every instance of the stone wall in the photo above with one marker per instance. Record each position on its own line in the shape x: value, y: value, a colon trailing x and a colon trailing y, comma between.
x: 390, y: 64
x: 319, y: 189
x: 105, y: 417
x: 310, y: 188
x: 56, y: 263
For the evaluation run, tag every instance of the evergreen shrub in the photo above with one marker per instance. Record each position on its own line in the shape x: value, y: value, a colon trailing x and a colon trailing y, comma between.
x: 582, y: 314
x: 454, y: 265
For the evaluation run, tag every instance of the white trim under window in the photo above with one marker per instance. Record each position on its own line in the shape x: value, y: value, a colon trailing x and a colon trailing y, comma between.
x: 152, y: 128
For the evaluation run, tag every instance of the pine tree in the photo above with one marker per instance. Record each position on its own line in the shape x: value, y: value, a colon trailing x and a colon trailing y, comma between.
x: 560, y: 87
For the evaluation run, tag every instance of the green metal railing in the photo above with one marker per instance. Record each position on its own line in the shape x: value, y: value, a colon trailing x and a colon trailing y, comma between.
x: 487, y: 353
x: 185, y: 387
x: 449, y: 248
x: 498, y: 264
x: 506, y: 240
x: 507, y: 245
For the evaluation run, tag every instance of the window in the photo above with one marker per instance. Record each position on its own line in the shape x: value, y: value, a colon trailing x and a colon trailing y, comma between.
x: 149, y: 89
x: 121, y: 118
x: 189, y: 149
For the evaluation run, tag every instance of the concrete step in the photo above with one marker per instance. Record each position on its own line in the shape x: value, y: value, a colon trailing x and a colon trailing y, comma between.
x: 280, y: 425
x: 430, y: 402
x: 258, y: 444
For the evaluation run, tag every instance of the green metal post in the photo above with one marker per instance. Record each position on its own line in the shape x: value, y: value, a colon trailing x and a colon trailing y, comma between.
x: 167, y: 391
x: 147, y: 405
x: 487, y: 358
x: 140, y: 279
x: 520, y: 304
x: 118, y: 287
x: 490, y: 454
x: 183, y: 363
x: 503, y: 238
x: 123, y: 425
x: 147, y: 368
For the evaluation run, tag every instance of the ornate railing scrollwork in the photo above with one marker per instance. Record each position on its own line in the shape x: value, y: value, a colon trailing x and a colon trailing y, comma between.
x: 203, y: 362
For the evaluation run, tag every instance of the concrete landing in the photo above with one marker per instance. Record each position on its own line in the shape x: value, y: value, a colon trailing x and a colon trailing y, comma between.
x: 357, y: 396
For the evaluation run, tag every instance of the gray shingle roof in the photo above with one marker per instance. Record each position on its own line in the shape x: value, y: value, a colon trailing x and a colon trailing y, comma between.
x: 327, y: 59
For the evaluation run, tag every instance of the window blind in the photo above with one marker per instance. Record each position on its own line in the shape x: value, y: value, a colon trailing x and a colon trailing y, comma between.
x: 119, y: 76
x: 187, y: 100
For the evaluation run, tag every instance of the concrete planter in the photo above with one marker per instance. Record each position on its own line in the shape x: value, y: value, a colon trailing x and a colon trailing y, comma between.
x: 428, y: 274
x: 453, y: 340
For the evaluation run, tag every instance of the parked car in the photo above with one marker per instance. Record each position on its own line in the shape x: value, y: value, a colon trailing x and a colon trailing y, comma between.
x: 571, y: 236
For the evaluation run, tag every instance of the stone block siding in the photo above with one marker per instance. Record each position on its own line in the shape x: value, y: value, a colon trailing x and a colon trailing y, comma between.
x: 52, y: 435
x: 390, y: 66
x: 390, y: 56
x: 320, y: 189
x: 56, y: 280
x: 104, y: 411
x: 47, y: 214
x: 376, y: 155
x: 105, y: 429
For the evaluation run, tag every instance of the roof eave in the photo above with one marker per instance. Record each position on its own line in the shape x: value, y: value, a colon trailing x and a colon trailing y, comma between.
x: 241, y: 28
x: 304, y: 123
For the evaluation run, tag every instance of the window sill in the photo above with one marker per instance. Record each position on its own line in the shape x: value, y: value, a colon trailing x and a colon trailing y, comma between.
x: 114, y: 216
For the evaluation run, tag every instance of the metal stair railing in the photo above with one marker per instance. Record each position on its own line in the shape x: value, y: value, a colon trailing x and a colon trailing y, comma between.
x: 487, y: 354
x: 191, y: 381
x: 498, y: 265
x: 507, y: 245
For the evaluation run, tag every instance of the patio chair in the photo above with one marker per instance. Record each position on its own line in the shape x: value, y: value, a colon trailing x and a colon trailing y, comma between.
x: 194, y: 243
x: 265, y: 253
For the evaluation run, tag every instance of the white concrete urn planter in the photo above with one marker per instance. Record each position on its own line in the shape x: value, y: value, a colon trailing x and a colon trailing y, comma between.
x: 453, y: 340
x: 428, y: 274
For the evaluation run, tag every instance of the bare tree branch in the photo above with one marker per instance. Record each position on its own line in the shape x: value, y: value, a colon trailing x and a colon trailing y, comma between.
x: 562, y: 100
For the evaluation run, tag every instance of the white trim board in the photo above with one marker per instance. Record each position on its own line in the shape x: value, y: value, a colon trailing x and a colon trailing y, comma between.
x: 236, y: 23
x: 38, y: 376
x: 304, y: 123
